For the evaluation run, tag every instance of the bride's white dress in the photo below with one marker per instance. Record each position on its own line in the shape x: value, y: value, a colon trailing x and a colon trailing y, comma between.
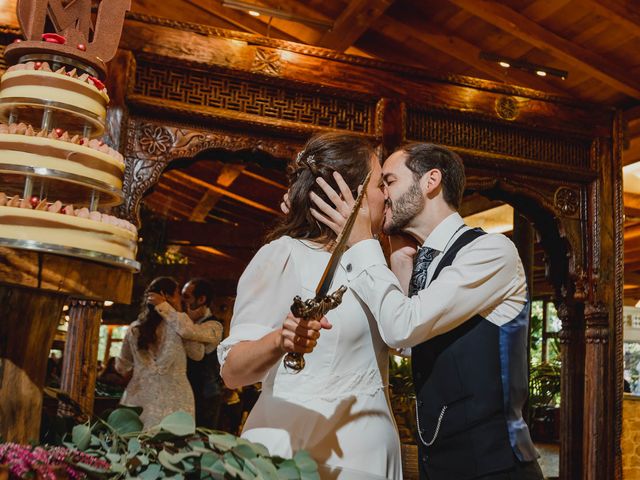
x: 338, y: 407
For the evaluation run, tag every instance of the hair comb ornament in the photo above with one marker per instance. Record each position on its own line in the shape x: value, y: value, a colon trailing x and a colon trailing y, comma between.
x: 308, y: 161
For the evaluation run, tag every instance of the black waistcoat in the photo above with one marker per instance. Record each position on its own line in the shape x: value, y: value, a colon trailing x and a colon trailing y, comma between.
x: 204, y: 375
x: 459, y: 397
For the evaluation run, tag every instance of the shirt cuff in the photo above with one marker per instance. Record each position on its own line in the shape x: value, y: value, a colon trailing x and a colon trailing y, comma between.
x: 361, y: 256
x: 164, y: 309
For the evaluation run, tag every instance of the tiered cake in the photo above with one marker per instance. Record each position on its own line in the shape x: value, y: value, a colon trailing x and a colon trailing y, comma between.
x: 55, y: 172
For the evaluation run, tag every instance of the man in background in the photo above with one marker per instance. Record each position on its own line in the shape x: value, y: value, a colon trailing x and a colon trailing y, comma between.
x: 204, y: 375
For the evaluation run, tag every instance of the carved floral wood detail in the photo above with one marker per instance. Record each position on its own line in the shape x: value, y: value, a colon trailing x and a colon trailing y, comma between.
x: 152, y: 146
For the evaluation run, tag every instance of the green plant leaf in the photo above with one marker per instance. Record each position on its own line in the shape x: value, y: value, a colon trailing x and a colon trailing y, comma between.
x: 309, y: 476
x: 222, y: 441
x: 81, y: 436
x: 304, y: 462
x: 133, y: 446
x: 257, y: 447
x: 164, y: 458
x: 125, y: 420
x: 267, y: 470
x: 245, y: 451
x: 287, y: 470
x: 179, y: 423
x: 152, y: 472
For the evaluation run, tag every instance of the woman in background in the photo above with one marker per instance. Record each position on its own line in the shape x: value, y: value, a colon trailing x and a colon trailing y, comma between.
x: 157, y: 354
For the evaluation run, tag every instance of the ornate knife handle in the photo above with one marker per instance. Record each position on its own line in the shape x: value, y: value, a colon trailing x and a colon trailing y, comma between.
x: 311, y: 309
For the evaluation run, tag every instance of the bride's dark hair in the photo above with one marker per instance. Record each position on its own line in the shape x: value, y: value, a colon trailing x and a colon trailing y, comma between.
x: 345, y: 153
x: 149, y: 319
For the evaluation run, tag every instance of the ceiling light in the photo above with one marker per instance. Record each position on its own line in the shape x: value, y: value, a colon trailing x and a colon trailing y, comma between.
x: 638, y: 304
x: 108, y: 303
x: 253, y: 9
x: 540, y: 70
x: 253, y: 13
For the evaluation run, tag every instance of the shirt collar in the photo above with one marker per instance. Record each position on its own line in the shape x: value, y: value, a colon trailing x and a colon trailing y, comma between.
x: 207, y: 314
x: 440, y: 236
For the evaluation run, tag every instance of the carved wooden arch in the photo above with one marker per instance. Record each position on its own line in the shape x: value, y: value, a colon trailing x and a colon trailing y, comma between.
x: 555, y: 209
x: 152, y: 146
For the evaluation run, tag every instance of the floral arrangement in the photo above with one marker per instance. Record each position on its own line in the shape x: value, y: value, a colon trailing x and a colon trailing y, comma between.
x: 48, y: 463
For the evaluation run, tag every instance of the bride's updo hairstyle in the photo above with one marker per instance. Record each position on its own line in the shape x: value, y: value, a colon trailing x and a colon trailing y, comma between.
x: 347, y: 154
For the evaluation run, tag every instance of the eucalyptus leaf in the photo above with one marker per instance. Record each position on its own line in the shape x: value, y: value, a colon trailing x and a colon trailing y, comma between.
x: 133, y: 446
x: 309, y: 476
x: 81, y: 436
x: 164, y: 458
x: 288, y: 470
x: 267, y: 470
x: 245, y: 451
x: 304, y: 462
x: 257, y: 447
x: 125, y: 420
x: 222, y: 441
x: 179, y: 423
x: 152, y: 472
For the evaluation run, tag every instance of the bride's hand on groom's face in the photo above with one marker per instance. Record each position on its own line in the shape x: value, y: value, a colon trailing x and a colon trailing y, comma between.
x: 335, y: 216
x: 301, y: 336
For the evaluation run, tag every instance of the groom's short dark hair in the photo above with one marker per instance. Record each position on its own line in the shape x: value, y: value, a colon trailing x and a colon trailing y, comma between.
x: 422, y: 157
x: 202, y: 287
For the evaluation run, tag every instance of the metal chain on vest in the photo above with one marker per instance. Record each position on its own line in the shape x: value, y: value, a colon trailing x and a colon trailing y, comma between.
x: 435, y: 434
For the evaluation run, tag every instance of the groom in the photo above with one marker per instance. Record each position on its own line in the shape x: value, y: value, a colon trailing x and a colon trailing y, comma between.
x: 460, y: 302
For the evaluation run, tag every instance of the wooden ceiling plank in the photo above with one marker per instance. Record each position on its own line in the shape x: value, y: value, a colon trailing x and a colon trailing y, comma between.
x: 435, y: 37
x: 356, y: 19
x: 617, y: 12
x: 518, y: 25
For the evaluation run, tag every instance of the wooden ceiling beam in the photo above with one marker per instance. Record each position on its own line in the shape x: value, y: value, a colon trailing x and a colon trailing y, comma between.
x: 435, y: 37
x: 228, y: 175
x: 226, y: 193
x: 353, y: 22
x: 617, y: 12
x: 241, y: 20
x: 516, y: 24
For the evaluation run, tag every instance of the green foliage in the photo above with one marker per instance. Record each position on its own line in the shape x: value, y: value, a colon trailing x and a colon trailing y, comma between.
x: 176, y: 449
x: 544, y: 385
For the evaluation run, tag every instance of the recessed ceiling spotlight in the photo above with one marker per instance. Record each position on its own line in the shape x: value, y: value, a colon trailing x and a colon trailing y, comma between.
x: 540, y: 70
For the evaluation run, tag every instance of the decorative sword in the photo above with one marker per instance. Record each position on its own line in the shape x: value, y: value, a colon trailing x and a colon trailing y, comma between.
x: 315, y: 308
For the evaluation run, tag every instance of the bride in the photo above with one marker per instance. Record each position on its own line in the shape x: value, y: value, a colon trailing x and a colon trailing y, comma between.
x: 338, y: 407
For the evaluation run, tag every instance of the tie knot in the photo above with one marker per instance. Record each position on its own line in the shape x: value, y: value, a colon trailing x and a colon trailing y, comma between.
x: 425, y: 254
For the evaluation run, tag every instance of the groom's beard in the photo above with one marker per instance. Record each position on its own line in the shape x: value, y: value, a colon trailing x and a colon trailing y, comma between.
x: 403, y: 210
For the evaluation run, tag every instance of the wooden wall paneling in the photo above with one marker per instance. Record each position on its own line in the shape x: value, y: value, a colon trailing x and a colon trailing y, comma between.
x: 294, y: 64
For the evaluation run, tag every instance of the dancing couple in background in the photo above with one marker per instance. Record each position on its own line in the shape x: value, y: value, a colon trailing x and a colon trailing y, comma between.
x: 170, y: 354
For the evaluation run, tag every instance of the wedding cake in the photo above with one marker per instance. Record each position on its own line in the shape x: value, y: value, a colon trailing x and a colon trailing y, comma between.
x: 58, y: 179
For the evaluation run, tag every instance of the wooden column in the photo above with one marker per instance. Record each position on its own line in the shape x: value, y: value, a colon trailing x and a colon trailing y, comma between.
x: 390, y: 115
x: 33, y: 289
x: 28, y: 320
x: 571, y: 390
x: 596, y: 392
x: 80, y: 361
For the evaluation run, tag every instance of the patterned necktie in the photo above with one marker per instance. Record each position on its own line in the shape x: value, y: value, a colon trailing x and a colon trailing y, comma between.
x: 421, y: 263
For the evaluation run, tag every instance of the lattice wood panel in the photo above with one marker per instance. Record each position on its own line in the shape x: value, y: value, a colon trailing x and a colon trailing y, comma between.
x: 238, y: 95
x: 479, y: 134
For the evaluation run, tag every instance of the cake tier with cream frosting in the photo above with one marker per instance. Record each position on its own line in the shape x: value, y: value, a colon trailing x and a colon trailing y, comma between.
x: 68, y: 234
x: 74, y: 102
